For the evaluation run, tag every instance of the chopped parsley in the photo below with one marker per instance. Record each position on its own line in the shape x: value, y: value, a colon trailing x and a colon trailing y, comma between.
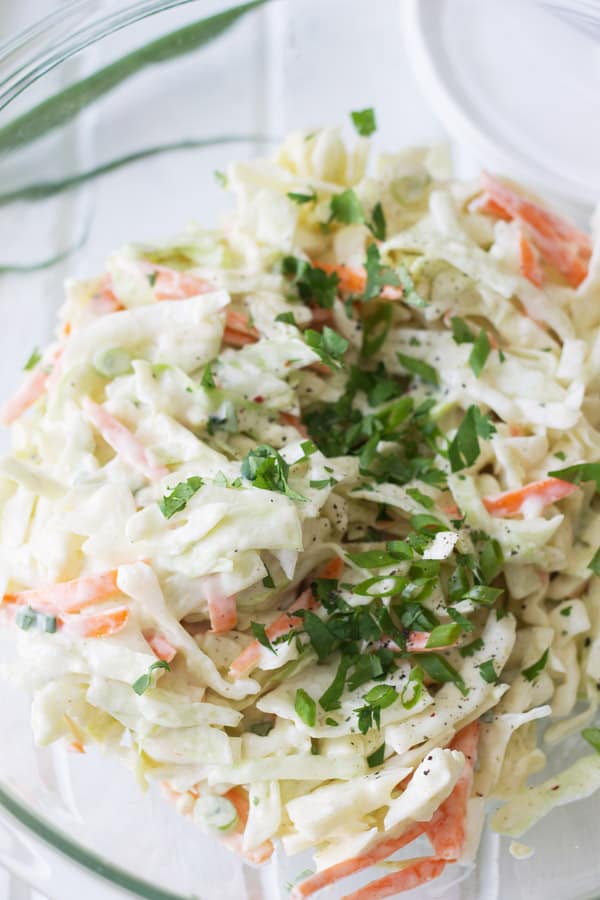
x: 376, y: 327
x: 592, y: 736
x: 479, y: 353
x: 487, y: 671
x: 301, y: 199
x: 364, y: 121
x: 262, y: 729
x: 438, y: 668
x: 207, y: 381
x: 287, y: 318
x: 594, y: 563
x: 220, y: 178
x: 376, y: 757
x: 579, y: 474
x: 260, y: 633
x: 464, y: 448
x: 268, y: 579
x: 33, y: 360
x: 267, y: 469
x: 346, y: 208
x: 328, y: 345
x: 378, y: 698
x: 141, y: 685
x: 180, y: 495
x: 378, y: 275
x: 314, y: 285
x: 424, y: 499
x: 419, y: 368
x: 532, y: 672
x: 472, y: 648
x: 461, y: 332
x: 306, y: 708
x: 378, y: 225
x: 409, y: 292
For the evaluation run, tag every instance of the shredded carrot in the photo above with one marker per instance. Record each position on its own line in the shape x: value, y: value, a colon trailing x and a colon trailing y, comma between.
x: 295, y: 422
x: 239, y: 797
x: 353, y: 280
x: 68, y: 596
x: 283, y: 624
x: 484, y: 204
x: 222, y: 611
x: 103, y: 624
x: 34, y: 386
x: 122, y: 441
x: 446, y: 828
x: 411, y: 876
x: 105, y: 300
x: 560, y: 243
x: 529, y: 263
x: 170, y: 284
x: 161, y: 647
x: 545, y: 492
x: 332, y: 569
x: 381, y: 850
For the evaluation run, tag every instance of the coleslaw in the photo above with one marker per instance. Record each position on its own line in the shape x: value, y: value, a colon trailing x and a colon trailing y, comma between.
x: 301, y: 519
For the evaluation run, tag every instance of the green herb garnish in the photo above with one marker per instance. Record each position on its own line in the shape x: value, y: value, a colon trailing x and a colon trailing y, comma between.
x: 180, y: 495
x: 306, y: 708
x: 479, y: 353
x: 33, y: 360
x: 419, y: 368
x: 141, y: 685
x: 531, y: 672
x: 268, y: 470
x: 364, y: 121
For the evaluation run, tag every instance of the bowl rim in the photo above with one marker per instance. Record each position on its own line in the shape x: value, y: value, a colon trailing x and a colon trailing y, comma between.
x: 51, y: 40
x: 87, y: 859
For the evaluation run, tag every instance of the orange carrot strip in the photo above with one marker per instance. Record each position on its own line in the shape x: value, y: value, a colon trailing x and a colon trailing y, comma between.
x: 222, y: 611
x: 101, y: 625
x: 239, y: 797
x: 69, y: 596
x: 26, y: 395
x: 332, y: 569
x: 485, y: 205
x: 295, y: 422
x: 541, y: 219
x: 511, y: 503
x: 560, y: 243
x: 446, y: 828
x: 31, y: 390
x: 354, y: 280
x: 347, y: 867
x: 122, y: 441
x: 105, y: 300
x: 284, y: 623
x: 529, y: 264
x: 407, y: 879
x: 351, y: 280
x: 161, y: 647
x: 170, y: 284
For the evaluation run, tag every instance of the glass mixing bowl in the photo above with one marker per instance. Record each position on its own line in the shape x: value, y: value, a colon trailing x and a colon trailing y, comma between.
x: 113, y: 119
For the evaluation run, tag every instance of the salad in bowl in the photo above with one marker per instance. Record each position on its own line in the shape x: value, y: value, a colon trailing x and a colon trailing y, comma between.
x: 301, y: 517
